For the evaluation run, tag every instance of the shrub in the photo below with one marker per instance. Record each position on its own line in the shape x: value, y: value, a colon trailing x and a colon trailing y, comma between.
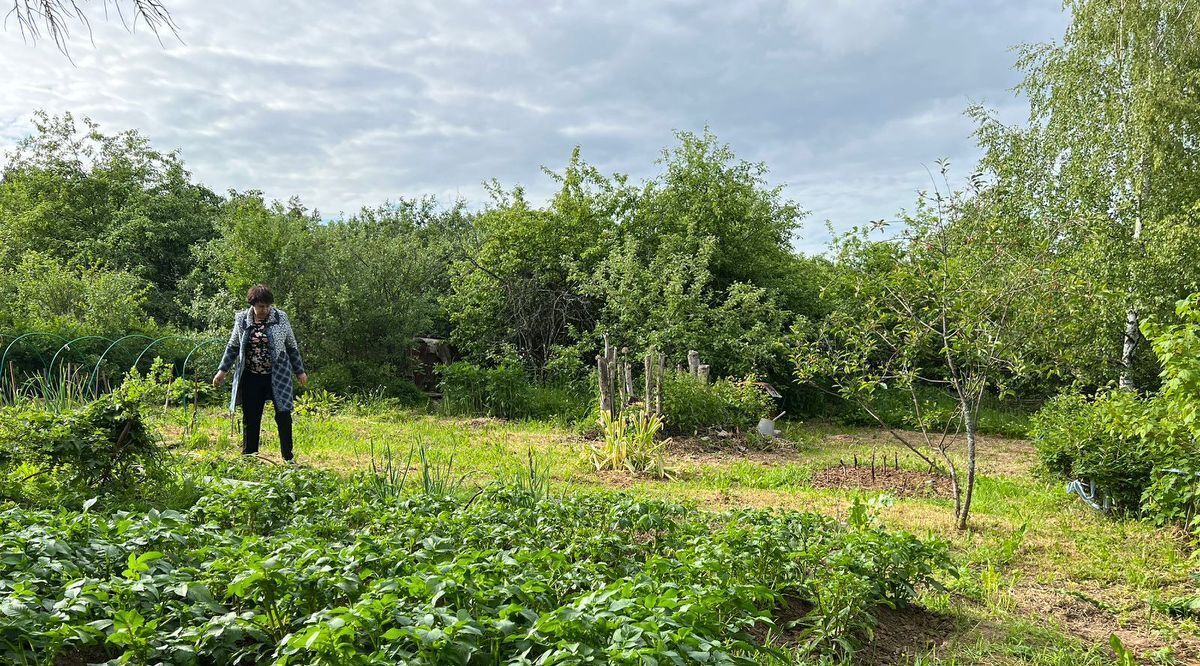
x: 364, y: 377
x: 1094, y: 440
x: 159, y: 386
x: 463, y: 388
x: 691, y: 405
x: 506, y: 391
x: 102, y: 447
x: 1140, y: 451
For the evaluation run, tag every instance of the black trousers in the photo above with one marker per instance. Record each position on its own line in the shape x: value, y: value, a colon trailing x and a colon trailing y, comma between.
x: 255, y: 391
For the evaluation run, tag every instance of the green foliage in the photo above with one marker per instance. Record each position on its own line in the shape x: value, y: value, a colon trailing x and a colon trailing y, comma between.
x: 102, y: 447
x: 506, y: 391
x: 317, y: 402
x: 304, y: 567
x: 895, y: 406
x: 1106, y: 169
x: 1140, y: 451
x: 41, y: 293
x: 1078, y: 438
x: 81, y: 197
x: 517, y: 290
x: 530, y: 484
x: 159, y: 386
x: 691, y: 406
x: 705, y: 263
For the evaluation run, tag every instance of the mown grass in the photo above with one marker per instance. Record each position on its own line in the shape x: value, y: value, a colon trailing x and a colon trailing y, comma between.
x: 1033, y: 561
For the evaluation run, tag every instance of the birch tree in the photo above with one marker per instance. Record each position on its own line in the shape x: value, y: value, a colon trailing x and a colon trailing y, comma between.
x: 55, y: 19
x: 1110, y: 159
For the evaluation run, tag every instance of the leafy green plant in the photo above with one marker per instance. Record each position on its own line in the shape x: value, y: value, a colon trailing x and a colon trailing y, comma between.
x: 439, y: 478
x: 532, y: 482
x: 691, y: 405
x: 318, y: 403
x: 1140, y: 451
x: 388, y: 475
x: 103, y: 446
x: 334, y: 574
x: 1077, y: 438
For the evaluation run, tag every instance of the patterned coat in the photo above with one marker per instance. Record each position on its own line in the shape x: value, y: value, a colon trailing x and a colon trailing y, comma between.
x: 285, y: 356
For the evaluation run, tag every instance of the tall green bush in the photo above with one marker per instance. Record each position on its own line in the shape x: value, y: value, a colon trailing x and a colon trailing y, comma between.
x: 691, y: 405
x: 1140, y: 451
x: 1078, y: 438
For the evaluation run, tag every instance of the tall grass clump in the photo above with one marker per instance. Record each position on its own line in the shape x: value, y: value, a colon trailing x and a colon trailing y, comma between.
x: 630, y: 441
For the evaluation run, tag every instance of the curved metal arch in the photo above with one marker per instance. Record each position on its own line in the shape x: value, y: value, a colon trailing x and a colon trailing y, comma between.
x: 4, y: 356
x: 196, y: 348
x: 96, y: 369
x: 67, y: 346
x: 186, y: 360
x: 150, y: 346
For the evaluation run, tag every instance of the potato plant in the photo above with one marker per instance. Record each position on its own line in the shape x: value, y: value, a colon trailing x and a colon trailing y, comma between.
x: 307, y: 567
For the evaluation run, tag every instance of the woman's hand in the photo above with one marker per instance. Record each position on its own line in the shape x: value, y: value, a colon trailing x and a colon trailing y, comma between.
x: 219, y: 378
x: 302, y: 378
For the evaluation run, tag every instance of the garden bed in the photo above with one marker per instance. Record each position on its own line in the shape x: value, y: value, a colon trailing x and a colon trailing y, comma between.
x: 899, y: 482
x: 315, y: 567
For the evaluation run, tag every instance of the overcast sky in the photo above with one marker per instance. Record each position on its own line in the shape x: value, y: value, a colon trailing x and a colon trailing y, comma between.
x: 352, y: 103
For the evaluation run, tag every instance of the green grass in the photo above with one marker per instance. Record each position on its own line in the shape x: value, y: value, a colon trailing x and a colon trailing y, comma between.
x: 1027, y: 537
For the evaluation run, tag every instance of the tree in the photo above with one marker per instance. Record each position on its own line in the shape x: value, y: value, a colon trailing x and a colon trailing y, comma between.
x: 90, y: 198
x: 515, y: 290
x: 1110, y: 161
x: 41, y: 293
x: 933, y: 311
x: 54, y: 18
x: 376, y: 289
x: 705, y: 262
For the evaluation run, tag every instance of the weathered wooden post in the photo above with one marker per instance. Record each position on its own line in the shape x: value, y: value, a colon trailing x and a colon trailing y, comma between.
x: 649, y: 366
x: 693, y: 362
x: 605, y: 365
x: 702, y: 373
x: 658, y: 384
x: 626, y: 378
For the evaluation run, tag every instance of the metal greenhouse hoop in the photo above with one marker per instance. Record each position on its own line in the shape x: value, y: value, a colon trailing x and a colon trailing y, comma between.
x: 183, y: 375
x: 150, y: 346
x: 7, y: 349
x: 4, y: 356
x: 67, y: 346
x: 118, y: 341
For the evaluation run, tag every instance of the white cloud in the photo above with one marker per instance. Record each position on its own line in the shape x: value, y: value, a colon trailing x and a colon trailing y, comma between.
x: 848, y: 26
x: 349, y: 104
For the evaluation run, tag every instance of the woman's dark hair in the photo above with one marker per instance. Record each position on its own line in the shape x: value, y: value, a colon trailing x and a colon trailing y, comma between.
x: 260, y: 293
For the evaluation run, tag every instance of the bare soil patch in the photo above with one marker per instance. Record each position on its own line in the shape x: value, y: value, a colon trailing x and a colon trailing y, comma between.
x: 904, y: 634
x: 901, y: 482
x: 89, y: 654
x: 997, y: 456
x: 899, y: 637
x: 718, y: 450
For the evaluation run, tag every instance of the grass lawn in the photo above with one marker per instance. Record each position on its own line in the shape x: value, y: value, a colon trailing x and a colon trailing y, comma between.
x: 1043, y: 578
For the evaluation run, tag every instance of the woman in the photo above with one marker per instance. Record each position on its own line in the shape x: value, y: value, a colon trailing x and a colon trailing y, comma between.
x: 265, y: 349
